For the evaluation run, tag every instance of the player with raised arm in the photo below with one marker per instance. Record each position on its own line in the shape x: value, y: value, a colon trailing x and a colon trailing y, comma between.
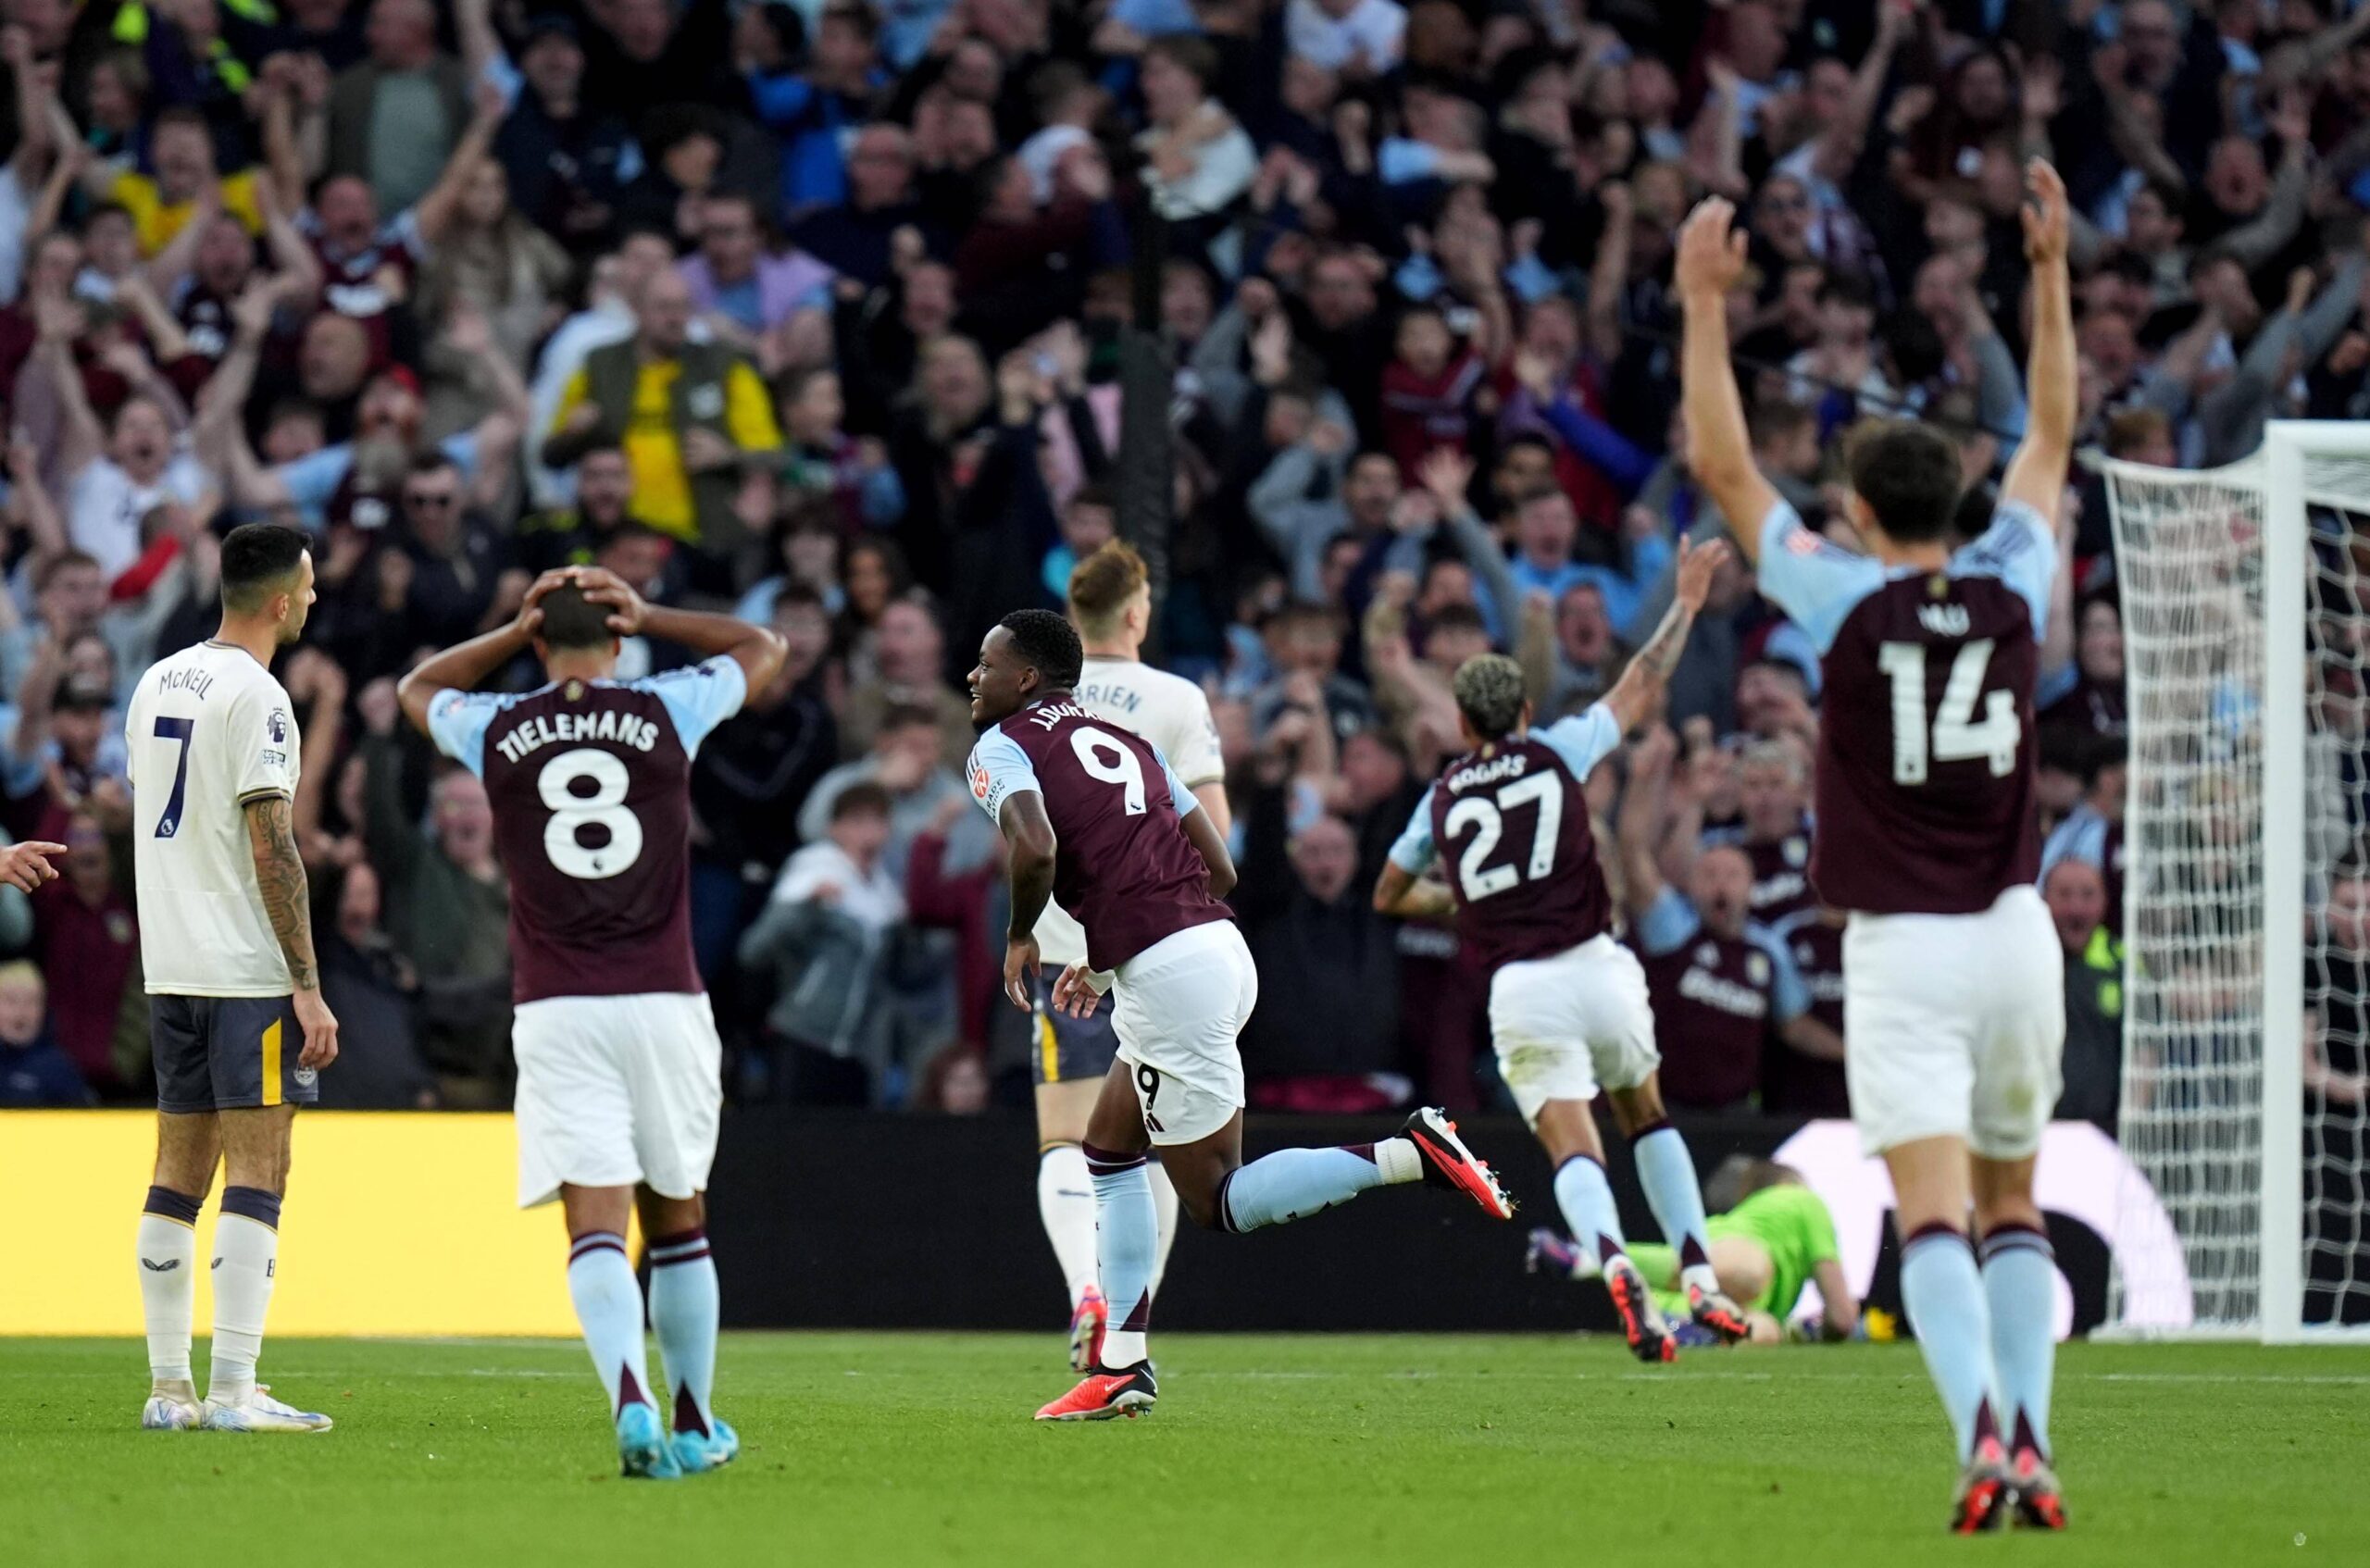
x: 1110, y: 602
x: 620, y: 1067
x: 1096, y: 817
x: 1569, y: 1009
x: 1953, y: 1000
x: 236, y: 1019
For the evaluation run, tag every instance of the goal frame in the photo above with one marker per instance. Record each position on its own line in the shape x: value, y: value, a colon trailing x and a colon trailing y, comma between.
x: 2279, y: 468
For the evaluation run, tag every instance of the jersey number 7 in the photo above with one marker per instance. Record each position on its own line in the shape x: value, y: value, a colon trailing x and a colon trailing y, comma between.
x: 180, y: 731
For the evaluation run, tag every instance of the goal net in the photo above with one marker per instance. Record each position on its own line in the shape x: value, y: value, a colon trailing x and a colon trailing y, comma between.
x: 2244, y: 591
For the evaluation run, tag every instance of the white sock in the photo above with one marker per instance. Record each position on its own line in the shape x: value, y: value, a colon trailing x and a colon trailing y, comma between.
x: 1065, y: 1203
x: 168, y: 1250
x: 609, y: 1309
x: 1164, y: 1200
x: 246, y: 1259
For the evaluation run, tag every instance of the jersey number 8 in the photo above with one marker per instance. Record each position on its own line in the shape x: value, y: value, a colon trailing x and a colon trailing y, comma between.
x: 1957, y: 737
x: 1488, y: 817
x: 572, y: 814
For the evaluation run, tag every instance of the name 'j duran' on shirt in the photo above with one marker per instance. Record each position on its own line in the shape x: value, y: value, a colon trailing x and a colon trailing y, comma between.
x: 626, y: 729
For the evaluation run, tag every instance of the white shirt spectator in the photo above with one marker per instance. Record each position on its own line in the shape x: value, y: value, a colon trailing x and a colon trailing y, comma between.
x: 104, y: 506
x: 1374, y: 27
x: 1223, y: 168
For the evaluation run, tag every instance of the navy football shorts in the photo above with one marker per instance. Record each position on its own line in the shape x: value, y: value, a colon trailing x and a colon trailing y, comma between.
x: 227, y: 1053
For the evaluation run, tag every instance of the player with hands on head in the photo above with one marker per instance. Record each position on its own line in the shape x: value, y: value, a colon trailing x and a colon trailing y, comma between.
x: 1927, y: 836
x: 619, y: 1066
x: 238, y: 1027
x: 1097, y: 818
x: 1507, y: 822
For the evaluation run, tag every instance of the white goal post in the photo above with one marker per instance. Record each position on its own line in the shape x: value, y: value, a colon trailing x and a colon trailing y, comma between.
x: 2242, y: 594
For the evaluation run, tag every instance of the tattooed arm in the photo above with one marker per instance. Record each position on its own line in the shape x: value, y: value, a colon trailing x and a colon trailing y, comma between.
x: 1639, y: 692
x: 287, y: 903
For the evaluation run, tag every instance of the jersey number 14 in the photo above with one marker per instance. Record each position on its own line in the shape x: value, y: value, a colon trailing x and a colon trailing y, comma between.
x: 1956, y: 734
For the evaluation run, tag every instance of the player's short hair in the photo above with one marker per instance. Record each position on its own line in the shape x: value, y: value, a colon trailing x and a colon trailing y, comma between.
x: 570, y: 620
x: 258, y: 559
x: 1910, y: 476
x: 1101, y: 585
x: 863, y: 796
x: 1049, y: 643
x: 1489, y: 694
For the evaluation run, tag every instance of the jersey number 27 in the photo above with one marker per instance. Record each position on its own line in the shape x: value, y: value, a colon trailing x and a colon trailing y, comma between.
x: 1956, y: 735
x: 1487, y: 815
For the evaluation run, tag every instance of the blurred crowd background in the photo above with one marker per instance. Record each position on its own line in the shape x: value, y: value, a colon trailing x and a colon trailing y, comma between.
x: 817, y: 310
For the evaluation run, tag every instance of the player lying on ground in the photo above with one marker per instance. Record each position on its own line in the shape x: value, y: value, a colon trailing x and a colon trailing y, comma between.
x: 1777, y: 1237
x: 619, y: 1068
x: 1110, y: 602
x: 1096, y: 817
x: 1568, y: 1010
x: 225, y: 942
x: 1926, y: 833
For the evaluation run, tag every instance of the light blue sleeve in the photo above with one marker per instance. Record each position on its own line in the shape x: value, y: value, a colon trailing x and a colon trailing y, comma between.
x: 699, y: 697
x: 457, y: 721
x: 2020, y: 551
x: 1669, y: 924
x: 1813, y: 581
x: 1584, y: 740
x: 1790, y: 997
x: 1179, y: 796
x: 311, y: 479
x: 1413, y: 851
x: 999, y: 770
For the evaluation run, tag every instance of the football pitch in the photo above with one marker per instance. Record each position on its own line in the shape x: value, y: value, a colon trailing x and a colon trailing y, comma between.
x: 892, y: 1449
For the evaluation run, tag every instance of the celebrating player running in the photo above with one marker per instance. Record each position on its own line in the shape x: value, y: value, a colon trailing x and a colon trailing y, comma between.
x: 1097, y: 819
x: 1568, y: 1003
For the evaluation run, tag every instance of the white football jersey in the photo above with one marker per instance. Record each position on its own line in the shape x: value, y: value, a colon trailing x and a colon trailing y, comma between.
x: 1167, y: 710
x: 208, y: 730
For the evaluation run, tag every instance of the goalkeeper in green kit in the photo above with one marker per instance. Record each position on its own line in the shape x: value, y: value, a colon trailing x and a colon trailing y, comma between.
x: 1776, y: 1238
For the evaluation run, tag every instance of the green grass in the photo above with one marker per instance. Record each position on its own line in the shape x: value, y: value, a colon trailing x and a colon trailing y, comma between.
x: 902, y: 1450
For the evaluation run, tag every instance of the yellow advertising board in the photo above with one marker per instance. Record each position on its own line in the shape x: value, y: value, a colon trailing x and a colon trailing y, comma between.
x: 400, y: 1223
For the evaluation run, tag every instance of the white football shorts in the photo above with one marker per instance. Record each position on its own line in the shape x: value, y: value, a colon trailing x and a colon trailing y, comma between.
x: 616, y: 1090
x: 1178, y: 1006
x: 1954, y: 1025
x: 1566, y: 1024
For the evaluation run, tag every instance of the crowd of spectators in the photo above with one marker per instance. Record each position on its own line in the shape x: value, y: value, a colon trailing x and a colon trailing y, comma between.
x: 818, y: 308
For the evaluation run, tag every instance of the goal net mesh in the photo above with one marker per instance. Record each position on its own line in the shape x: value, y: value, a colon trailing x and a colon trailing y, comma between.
x: 2193, y: 577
